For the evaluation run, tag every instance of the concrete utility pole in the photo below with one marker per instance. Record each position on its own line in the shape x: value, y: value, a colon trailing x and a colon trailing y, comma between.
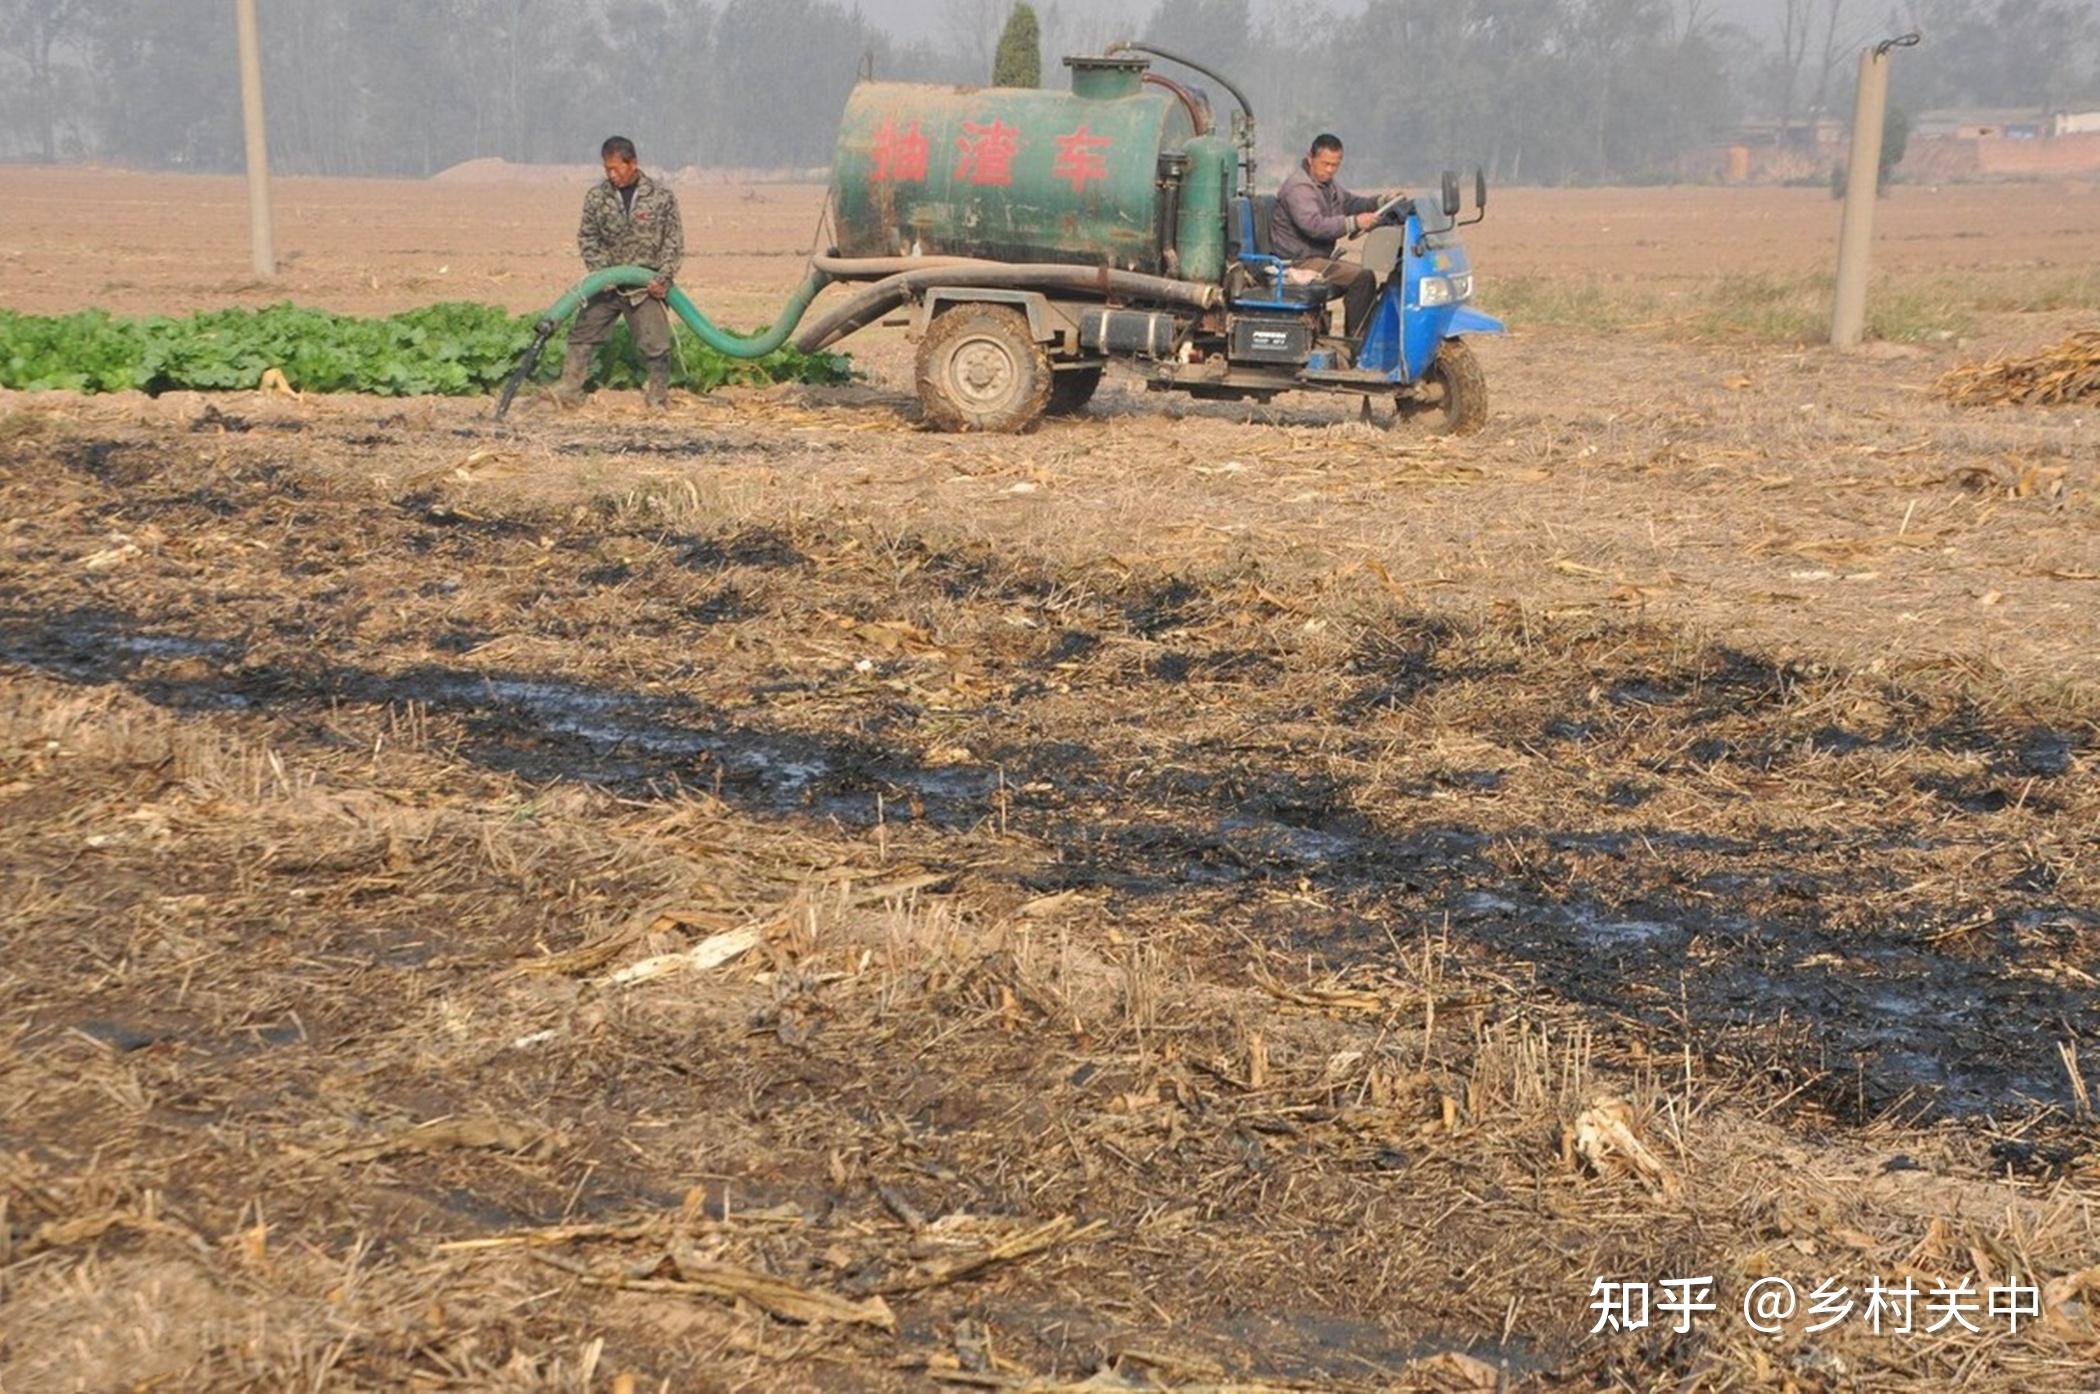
x: 260, y: 238
x: 1848, y: 315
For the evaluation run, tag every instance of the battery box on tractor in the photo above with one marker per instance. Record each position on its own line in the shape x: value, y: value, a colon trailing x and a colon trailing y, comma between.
x: 1275, y: 313
x: 1269, y: 336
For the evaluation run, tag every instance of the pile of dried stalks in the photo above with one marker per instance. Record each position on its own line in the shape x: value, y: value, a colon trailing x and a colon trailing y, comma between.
x: 2066, y: 372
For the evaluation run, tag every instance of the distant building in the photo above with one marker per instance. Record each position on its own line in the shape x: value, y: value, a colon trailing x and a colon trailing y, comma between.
x: 1986, y: 142
x: 1805, y: 133
x: 1769, y: 152
x: 1945, y: 145
x: 1985, y: 123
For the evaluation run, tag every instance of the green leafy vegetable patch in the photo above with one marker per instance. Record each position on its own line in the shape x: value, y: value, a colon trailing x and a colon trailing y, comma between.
x: 455, y: 349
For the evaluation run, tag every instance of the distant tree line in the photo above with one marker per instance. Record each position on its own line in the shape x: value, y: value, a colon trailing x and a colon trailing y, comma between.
x: 1541, y: 91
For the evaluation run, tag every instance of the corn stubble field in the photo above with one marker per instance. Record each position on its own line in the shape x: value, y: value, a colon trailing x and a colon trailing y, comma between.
x: 1192, y: 897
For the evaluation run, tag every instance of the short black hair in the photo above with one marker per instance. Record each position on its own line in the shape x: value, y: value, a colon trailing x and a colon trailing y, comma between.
x: 1326, y: 140
x: 616, y: 145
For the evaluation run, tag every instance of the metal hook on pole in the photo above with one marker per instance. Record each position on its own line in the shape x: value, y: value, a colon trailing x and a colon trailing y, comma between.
x: 1910, y: 40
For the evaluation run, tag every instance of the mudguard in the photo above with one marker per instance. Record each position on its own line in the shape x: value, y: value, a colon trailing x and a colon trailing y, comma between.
x: 1471, y: 321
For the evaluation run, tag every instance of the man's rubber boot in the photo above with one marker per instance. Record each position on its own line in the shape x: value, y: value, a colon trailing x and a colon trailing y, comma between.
x: 657, y: 394
x: 575, y: 370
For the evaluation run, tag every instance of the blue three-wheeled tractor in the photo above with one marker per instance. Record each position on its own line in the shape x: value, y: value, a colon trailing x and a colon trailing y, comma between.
x: 1028, y: 239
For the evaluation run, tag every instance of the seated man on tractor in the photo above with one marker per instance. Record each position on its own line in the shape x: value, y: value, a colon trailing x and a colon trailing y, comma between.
x: 1312, y: 212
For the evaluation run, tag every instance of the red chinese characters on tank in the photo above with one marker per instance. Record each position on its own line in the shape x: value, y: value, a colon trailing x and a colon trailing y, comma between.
x: 898, y: 154
x: 1081, y: 159
x: 985, y: 153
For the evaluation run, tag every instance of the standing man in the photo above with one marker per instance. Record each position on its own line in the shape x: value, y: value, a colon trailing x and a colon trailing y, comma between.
x: 629, y: 220
x: 1312, y: 212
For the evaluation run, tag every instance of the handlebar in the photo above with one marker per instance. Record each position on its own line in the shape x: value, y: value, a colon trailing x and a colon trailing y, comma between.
x: 1390, y: 206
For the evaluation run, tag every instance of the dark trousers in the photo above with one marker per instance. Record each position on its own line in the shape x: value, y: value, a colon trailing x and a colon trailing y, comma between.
x: 647, y: 321
x: 1357, y: 283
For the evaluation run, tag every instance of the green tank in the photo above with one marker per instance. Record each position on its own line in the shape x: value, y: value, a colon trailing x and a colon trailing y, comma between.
x: 1091, y: 176
x: 1199, y: 237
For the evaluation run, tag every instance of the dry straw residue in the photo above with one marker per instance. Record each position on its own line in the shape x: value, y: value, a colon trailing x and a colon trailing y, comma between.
x: 2064, y: 373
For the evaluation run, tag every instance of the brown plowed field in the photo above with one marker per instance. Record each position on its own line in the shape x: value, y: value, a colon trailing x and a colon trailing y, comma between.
x: 161, y: 244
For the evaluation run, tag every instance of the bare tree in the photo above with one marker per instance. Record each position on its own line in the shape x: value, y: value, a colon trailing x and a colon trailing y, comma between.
x: 1068, y: 29
x: 32, y: 30
x: 1796, y: 18
x: 1799, y: 23
x: 972, y: 29
x: 1831, y: 57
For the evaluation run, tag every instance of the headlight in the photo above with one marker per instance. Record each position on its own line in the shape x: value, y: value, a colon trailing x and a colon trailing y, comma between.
x: 1446, y: 290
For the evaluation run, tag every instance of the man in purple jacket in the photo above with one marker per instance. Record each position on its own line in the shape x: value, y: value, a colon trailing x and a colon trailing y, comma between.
x: 1312, y: 212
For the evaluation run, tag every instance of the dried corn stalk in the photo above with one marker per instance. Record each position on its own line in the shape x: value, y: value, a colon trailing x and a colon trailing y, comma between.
x: 2067, y: 372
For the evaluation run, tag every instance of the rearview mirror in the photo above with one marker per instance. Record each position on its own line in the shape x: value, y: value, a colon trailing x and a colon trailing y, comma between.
x: 1450, y: 193
x: 1480, y: 188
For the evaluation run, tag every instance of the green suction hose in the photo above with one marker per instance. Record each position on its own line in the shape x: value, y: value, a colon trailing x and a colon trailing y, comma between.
x: 718, y: 339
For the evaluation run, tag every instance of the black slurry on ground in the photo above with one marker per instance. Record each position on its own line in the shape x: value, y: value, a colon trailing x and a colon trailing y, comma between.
x: 1876, y: 1020
x: 1758, y: 946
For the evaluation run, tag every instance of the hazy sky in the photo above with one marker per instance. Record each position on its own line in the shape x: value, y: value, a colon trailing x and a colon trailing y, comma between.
x: 929, y: 19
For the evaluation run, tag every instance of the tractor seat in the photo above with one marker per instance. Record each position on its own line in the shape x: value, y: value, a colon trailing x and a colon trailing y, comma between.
x: 1249, y: 232
x: 1304, y: 288
x: 1258, y: 278
x: 1264, y: 213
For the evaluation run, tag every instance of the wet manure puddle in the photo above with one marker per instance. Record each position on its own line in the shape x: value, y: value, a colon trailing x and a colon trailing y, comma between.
x: 1834, y: 961
x: 1730, y: 944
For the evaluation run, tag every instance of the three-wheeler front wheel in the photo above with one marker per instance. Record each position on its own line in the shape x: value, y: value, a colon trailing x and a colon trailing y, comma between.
x: 1453, y: 391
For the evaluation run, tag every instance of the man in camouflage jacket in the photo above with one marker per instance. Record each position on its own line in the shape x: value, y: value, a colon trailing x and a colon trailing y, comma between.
x: 629, y: 220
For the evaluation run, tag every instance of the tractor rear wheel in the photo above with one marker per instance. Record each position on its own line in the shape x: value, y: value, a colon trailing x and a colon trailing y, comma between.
x: 1453, y: 389
x: 1072, y: 389
x: 979, y: 369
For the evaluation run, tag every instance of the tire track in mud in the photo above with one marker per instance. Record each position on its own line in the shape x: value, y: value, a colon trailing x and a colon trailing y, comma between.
x: 1740, y: 944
